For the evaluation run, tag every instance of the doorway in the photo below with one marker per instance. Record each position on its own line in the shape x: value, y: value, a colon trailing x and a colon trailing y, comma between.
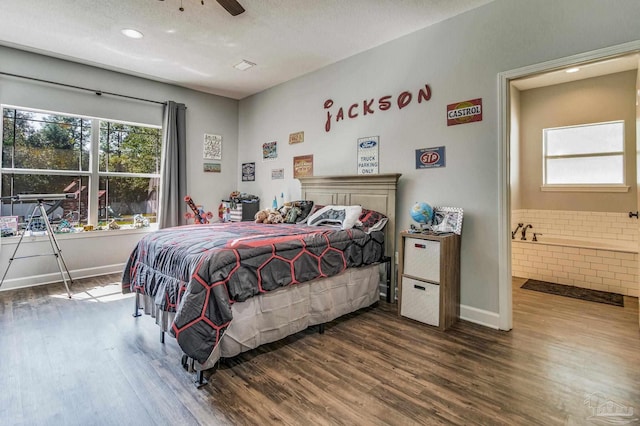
x: 539, y: 72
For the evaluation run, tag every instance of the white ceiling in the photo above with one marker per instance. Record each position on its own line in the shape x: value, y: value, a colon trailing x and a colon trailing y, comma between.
x: 197, y: 48
x: 588, y: 70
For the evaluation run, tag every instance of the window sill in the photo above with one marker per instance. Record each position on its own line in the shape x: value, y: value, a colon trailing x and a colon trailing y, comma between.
x: 79, y: 234
x: 584, y: 188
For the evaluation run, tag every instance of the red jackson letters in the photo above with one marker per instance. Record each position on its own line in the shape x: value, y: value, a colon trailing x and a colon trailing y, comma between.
x: 370, y: 106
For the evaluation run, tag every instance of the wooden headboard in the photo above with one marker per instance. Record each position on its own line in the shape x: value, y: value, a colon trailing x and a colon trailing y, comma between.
x: 374, y: 192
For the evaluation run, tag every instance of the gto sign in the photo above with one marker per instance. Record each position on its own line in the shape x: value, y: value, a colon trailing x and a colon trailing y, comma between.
x: 464, y: 112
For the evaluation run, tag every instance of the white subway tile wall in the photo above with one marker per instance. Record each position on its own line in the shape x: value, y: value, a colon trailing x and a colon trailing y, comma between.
x: 605, y: 270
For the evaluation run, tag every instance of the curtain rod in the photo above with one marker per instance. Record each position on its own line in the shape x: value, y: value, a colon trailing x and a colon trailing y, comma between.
x: 97, y: 92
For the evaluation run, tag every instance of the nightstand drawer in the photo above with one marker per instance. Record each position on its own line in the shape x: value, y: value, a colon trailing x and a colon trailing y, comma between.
x: 422, y: 259
x: 420, y: 301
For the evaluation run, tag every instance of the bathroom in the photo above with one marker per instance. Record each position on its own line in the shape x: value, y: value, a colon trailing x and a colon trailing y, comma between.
x: 585, y: 232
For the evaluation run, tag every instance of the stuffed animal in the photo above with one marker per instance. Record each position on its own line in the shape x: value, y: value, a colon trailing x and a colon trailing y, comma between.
x: 261, y: 216
x: 274, y: 217
x: 269, y: 216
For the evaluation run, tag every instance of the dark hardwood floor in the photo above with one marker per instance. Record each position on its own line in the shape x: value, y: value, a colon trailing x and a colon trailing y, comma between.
x: 86, y: 361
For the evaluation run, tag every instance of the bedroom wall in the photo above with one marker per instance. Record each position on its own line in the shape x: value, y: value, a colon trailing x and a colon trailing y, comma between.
x: 460, y: 59
x: 205, y: 114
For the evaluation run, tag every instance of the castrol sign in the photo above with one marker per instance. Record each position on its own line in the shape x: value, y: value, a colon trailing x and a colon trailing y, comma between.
x: 464, y: 112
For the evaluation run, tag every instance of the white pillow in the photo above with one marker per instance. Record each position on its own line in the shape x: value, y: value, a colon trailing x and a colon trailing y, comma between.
x: 346, y: 216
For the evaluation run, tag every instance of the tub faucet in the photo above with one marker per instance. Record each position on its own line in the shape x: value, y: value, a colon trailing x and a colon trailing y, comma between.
x: 513, y: 234
x: 524, y: 231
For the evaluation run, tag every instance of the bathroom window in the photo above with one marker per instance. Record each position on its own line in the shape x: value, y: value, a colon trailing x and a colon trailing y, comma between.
x: 587, y: 157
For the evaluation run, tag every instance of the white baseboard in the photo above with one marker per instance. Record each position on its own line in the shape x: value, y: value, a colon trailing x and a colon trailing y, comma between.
x: 44, y: 279
x: 480, y: 316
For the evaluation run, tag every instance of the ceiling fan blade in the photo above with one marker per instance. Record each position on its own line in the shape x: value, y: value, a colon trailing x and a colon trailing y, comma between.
x: 232, y: 6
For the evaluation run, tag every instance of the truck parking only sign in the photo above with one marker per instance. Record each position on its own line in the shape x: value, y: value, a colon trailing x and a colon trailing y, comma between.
x: 464, y: 112
x: 368, y: 155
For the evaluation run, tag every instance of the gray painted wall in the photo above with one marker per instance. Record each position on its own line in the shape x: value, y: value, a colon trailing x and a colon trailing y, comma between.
x: 460, y: 59
x: 593, y: 100
x: 205, y: 114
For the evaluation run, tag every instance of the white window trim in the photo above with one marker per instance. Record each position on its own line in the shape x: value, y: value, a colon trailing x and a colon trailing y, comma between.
x: 623, y: 187
x: 584, y: 188
x: 93, y: 174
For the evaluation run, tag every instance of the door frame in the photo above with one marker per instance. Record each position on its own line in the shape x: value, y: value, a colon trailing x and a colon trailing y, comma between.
x: 505, y: 308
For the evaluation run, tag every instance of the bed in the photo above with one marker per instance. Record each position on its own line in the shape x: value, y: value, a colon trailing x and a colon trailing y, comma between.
x: 225, y: 288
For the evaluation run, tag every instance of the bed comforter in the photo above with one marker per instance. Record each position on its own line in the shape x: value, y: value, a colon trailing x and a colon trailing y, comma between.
x: 199, y: 271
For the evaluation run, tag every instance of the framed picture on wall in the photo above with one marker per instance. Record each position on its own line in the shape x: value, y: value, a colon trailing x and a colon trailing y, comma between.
x: 212, y: 147
x: 269, y: 151
x: 303, y: 166
x: 248, y: 172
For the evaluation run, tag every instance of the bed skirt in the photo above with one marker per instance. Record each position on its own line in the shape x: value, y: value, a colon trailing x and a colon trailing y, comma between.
x: 277, y: 314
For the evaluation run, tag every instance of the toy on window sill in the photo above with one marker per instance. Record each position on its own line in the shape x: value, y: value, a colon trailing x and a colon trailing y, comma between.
x: 140, y: 221
x: 197, y: 213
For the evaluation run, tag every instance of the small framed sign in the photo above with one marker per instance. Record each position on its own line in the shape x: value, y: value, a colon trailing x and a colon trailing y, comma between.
x: 464, y: 112
x: 428, y: 158
x: 296, y: 137
x: 303, y: 166
x: 277, y: 174
x: 368, y: 155
x: 211, y: 167
x: 248, y: 172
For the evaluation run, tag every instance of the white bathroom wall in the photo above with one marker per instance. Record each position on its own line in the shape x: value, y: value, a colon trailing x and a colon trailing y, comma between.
x: 594, y: 225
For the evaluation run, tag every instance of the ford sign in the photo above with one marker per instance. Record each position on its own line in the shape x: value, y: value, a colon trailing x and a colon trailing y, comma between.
x: 367, y: 144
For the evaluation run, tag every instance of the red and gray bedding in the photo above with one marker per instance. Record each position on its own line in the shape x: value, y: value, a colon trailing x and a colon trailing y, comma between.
x: 199, y: 271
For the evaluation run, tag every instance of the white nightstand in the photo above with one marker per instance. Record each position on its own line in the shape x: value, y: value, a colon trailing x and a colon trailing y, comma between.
x: 429, y: 286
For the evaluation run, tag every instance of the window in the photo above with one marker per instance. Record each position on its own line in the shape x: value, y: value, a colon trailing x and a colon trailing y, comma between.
x: 589, y: 156
x: 112, y: 168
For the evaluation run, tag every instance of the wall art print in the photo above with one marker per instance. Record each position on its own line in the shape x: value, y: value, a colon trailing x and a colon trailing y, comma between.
x: 212, y: 167
x: 302, y: 166
x: 296, y: 137
x: 269, y: 151
x: 277, y: 174
x: 248, y: 172
x: 212, y: 147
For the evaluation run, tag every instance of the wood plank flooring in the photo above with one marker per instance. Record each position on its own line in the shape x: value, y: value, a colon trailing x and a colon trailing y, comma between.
x: 86, y: 361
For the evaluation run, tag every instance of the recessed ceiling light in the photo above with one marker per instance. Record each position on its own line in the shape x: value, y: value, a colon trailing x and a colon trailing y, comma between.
x: 572, y: 70
x: 131, y: 33
x: 244, y: 65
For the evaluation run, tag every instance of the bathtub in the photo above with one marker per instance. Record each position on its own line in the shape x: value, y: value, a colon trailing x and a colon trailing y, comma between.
x: 599, y: 264
x: 588, y: 243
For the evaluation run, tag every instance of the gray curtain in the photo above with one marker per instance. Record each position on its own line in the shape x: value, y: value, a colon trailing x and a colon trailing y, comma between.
x: 173, y: 168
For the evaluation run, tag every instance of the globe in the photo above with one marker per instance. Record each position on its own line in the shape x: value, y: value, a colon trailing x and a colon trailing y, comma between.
x: 422, y: 213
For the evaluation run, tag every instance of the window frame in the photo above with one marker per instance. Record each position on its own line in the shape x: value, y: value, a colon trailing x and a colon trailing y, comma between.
x: 586, y: 187
x: 93, y: 174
